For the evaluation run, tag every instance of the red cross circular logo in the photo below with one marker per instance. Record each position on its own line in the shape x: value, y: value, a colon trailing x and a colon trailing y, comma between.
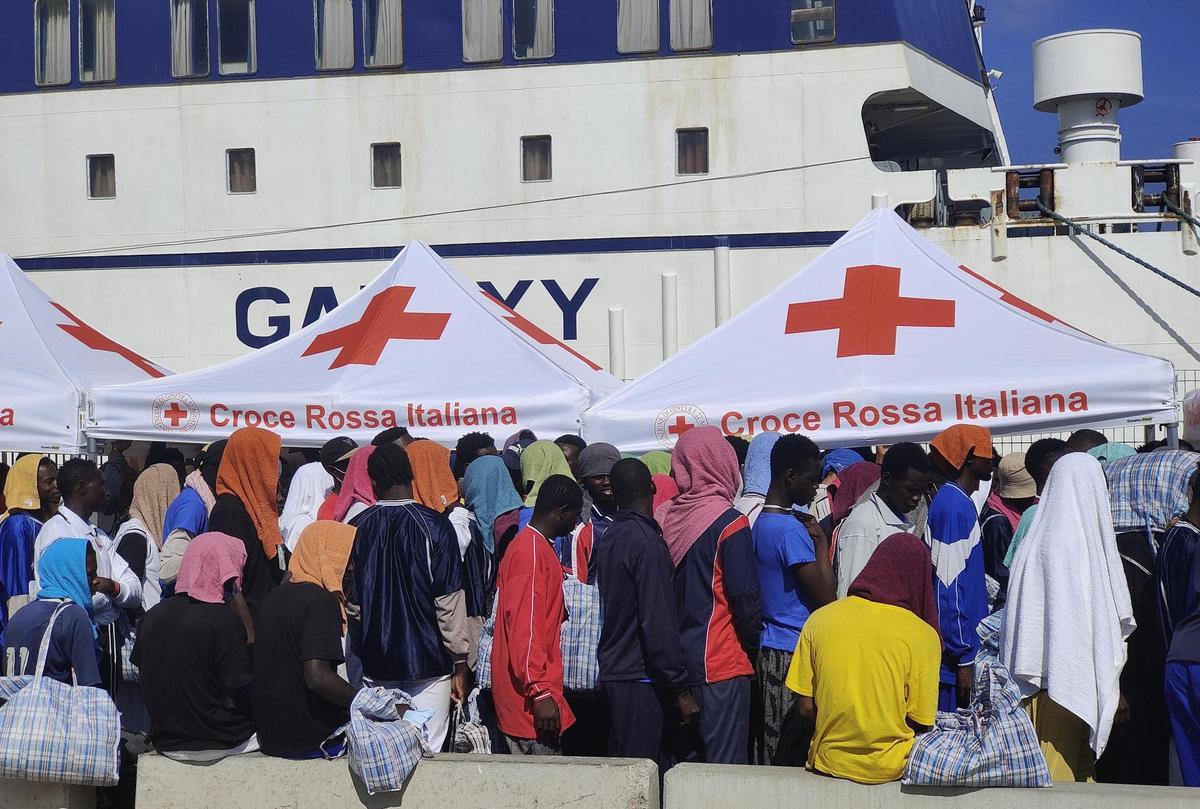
x: 677, y: 420
x: 175, y: 413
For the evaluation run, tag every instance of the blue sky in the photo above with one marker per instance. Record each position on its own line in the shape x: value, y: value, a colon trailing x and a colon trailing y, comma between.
x: 1170, y: 32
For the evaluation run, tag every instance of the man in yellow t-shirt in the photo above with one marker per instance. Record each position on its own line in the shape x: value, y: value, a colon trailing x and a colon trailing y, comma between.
x: 866, y: 668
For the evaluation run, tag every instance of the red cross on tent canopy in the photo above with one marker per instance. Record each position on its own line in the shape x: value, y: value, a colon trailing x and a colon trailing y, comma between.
x: 884, y: 338
x: 385, y: 319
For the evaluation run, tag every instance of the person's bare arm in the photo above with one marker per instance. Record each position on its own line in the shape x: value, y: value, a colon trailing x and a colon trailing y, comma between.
x: 816, y: 577
x: 242, y: 610
x: 322, y: 679
x: 806, y: 708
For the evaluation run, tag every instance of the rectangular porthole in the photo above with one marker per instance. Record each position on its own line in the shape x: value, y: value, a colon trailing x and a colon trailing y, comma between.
x: 385, y: 165
x: 52, y: 41
x: 189, y: 38
x: 102, y: 176
x: 536, y: 159
x: 97, y: 40
x: 236, y: 37
x: 241, y: 172
x: 812, y: 21
x: 691, y: 147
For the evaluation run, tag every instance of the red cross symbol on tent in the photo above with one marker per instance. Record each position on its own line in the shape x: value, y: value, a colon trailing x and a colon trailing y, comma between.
x: 869, y: 313
x: 97, y: 341
x: 384, y: 320
x: 680, y: 426
x: 175, y: 414
x: 538, y: 335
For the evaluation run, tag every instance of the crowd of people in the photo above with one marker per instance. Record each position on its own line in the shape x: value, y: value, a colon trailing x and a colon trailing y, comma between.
x: 762, y: 603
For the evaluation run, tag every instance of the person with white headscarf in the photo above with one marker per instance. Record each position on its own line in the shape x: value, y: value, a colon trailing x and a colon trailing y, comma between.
x: 311, y: 484
x: 1068, y: 617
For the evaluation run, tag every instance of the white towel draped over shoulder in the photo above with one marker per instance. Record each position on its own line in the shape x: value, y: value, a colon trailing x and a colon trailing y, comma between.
x: 1069, y: 611
x: 310, y: 486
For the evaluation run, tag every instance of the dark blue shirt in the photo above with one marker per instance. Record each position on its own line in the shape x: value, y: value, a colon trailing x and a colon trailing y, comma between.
x: 72, y: 646
x: 639, y: 639
x: 1177, y: 582
x: 405, y: 558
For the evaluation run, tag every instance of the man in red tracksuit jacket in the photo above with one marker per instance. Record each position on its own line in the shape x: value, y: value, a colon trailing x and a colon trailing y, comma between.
x: 527, y: 668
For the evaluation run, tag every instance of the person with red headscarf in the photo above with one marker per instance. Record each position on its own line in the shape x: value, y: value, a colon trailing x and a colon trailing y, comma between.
x: 247, y: 507
x: 866, y: 667
x: 716, y: 589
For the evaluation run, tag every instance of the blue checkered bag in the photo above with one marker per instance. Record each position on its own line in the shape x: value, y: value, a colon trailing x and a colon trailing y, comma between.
x: 54, y: 732
x: 581, y: 632
x: 483, y: 658
x: 992, y: 743
x: 384, y: 748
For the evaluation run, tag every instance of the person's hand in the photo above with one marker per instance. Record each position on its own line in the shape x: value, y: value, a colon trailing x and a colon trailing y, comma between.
x: 545, y: 717
x: 813, y: 527
x: 966, y: 684
x: 1122, y: 715
x: 689, y: 709
x: 105, y: 586
x: 458, y: 683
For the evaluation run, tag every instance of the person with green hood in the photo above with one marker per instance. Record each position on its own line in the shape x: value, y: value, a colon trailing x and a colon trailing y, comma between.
x: 658, y: 462
x: 539, y: 461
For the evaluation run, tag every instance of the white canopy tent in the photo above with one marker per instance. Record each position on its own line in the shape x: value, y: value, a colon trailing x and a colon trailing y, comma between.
x: 51, y: 358
x: 419, y: 347
x: 884, y: 338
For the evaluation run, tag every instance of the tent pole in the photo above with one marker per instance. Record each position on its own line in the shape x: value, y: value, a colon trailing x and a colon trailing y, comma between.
x: 1173, y: 435
x: 93, y: 451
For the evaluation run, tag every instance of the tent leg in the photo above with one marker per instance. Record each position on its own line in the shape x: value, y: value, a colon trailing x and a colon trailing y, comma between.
x: 1149, y: 434
x: 93, y: 450
x: 1173, y: 436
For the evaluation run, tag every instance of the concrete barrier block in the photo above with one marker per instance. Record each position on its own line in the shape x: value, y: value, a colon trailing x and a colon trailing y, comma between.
x: 32, y: 795
x: 459, y: 781
x: 701, y: 786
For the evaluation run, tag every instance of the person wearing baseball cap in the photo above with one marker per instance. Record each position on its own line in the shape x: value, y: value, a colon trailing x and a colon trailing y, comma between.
x: 965, y: 453
x: 1013, y: 491
x: 514, y: 445
x: 335, y: 457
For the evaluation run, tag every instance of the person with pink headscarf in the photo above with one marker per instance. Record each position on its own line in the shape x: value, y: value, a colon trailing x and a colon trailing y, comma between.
x: 716, y: 588
x: 356, y: 494
x: 191, y: 651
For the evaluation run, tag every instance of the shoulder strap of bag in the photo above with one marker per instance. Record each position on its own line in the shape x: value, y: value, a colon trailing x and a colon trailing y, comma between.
x: 44, y: 649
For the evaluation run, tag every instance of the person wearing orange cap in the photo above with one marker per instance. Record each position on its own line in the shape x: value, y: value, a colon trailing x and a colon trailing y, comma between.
x: 965, y: 453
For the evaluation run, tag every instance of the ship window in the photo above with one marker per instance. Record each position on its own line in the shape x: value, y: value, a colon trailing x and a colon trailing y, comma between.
x: 52, y: 33
x: 812, y: 21
x: 385, y: 165
x: 483, y: 31
x: 189, y: 38
x: 637, y: 26
x: 97, y: 40
x: 383, y: 33
x: 535, y: 159
x: 691, y: 25
x: 691, y: 147
x: 335, y: 34
x: 235, y: 37
x: 242, y: 176
x: 533, y: 29
x: 102, y: 176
